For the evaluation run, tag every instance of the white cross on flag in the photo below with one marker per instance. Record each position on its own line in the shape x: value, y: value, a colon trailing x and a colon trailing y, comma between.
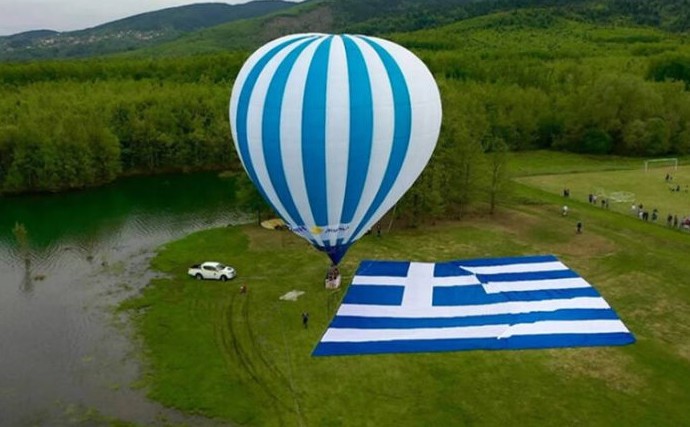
x: 492, y: 304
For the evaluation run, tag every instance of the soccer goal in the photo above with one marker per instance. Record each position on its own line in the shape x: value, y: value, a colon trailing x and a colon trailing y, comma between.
x: 622, y: 197
x: 670, y: 162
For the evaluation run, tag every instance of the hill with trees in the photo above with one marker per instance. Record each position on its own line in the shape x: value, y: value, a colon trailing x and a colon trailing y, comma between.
x: 133, y: 32
x: 515, y: 80
x: 217, y: 27
x: 381, y: 17
x: 521, y: 79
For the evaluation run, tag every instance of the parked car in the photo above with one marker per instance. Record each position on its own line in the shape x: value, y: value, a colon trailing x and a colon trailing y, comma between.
x: 212, y: 270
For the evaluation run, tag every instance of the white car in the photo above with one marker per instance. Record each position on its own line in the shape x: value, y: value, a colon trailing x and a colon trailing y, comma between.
x: 212, y: 271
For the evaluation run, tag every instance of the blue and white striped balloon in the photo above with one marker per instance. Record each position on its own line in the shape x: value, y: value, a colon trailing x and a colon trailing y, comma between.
x: 333, y: 130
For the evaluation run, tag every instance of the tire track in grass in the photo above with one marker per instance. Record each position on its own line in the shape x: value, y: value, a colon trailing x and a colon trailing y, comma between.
x: 232, y: 347
x: 256, y: 347
x: 272, y: 367
x: 276, y: 374
x: 228, y: 336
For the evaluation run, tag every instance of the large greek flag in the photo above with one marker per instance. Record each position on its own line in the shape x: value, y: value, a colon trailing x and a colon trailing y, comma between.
x: 498, y: 303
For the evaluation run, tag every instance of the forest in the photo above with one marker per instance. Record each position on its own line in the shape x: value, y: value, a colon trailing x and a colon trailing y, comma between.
x: 517, y: 80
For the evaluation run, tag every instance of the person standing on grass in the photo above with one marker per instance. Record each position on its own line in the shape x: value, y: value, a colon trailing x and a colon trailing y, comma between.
x: 579, y: 227
x: 305, y: 320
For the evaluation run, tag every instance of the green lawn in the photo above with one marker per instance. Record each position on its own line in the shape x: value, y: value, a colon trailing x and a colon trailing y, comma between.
x: 650, y: 188
x: 541, y: 162
x: 246, y: 358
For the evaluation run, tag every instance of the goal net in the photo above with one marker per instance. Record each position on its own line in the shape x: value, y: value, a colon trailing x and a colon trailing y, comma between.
x: 622, y: 197
x: 653, y: 163
x: 614, y: 196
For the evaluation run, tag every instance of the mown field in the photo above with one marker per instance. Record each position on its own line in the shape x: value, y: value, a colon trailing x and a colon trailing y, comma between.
x: 246, y: 358
x: 623, y: 188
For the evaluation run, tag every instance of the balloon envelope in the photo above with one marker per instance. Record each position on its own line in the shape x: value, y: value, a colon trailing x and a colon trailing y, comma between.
x: 333, y: 130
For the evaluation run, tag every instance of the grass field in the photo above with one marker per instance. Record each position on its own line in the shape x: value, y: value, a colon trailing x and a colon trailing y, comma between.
x: 649, y: 189
x: 246, y: 358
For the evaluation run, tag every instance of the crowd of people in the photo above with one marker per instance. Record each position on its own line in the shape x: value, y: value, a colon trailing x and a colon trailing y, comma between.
x: 672, y: 220
x: 638, y: 209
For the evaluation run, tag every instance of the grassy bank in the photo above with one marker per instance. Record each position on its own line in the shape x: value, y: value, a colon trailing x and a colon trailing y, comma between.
x: 246, y: 358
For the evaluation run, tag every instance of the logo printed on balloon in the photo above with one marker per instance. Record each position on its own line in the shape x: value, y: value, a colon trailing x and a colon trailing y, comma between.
x: 333, y: 130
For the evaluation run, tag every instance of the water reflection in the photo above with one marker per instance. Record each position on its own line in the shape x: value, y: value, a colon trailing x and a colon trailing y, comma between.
x: 84, y: 253
x: 27, y: 285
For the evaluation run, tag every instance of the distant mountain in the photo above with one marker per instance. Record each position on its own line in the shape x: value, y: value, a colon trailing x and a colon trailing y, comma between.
x: 133, y: 32
x: 216, y: 27
x: 379, y: 17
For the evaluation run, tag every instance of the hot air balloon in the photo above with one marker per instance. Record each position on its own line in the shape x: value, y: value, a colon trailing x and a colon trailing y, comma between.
x: 333, y: 130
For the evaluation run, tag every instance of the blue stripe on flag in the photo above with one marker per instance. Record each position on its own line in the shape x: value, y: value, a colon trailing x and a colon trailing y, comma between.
x: 535, y: 275
x: 361, y: 129
x: 383, y: 268
x: 475, y: 295
x: 271, y: 132
x: 374, y: 295
x: 314, y: 134
x: 449, y: 269
x: 362, y: 322
x: 512, y: 343
x: 488, y: 262
x: 402, y: 107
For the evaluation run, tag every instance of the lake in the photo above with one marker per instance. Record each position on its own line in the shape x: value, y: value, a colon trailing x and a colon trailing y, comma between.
x: 67, y: 357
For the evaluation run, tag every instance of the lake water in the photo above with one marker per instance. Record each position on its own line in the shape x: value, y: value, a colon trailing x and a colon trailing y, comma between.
x: 66, y: 356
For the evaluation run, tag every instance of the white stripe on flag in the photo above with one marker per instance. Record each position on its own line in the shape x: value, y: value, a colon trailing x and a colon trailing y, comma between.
x: 378, y: 280
x: 517, y: 268
x: 468, y: 280
x: 535, y: 285
x: 488, y: 331
x: 421, y: 292
x: 513, y: 307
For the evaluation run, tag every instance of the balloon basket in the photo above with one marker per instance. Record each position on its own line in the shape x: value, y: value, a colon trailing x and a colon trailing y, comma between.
x: 333, y: 283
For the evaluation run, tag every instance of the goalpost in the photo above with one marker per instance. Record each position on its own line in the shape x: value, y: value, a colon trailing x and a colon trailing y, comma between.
x: 671, y: 161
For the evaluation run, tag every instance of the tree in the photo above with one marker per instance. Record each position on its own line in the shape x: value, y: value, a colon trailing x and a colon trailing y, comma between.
x: 248, y: 196
x: 462, y: 159
x: 497, y: 151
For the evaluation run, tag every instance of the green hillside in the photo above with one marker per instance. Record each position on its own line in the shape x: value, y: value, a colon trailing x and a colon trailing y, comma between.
x: 310, y: 16
x: 522, y: 80
x: 131, y: 33
x: 382, y: 17
x: 206, y: 28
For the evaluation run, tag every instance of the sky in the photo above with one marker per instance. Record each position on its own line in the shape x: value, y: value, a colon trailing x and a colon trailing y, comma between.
x: 17, y: 16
